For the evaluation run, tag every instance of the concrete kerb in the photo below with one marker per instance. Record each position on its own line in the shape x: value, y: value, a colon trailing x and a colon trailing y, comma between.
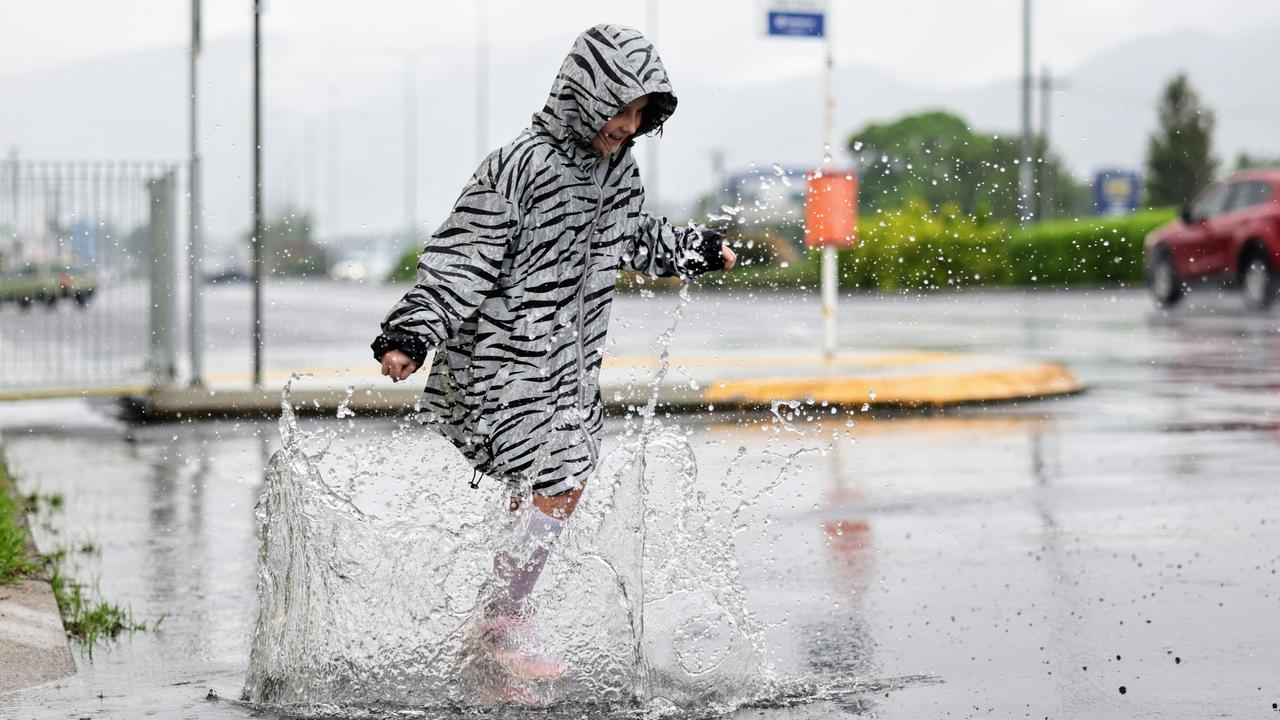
x: 33, y: 644
x: 720, y: 383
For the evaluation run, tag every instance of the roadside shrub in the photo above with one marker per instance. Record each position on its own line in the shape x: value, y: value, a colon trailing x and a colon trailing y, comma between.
x: 1093, y: 251
x: 912, y: 248
x: 406, y: 267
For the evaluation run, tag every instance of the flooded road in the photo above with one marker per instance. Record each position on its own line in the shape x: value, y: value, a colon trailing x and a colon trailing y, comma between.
x: 1112, y: 554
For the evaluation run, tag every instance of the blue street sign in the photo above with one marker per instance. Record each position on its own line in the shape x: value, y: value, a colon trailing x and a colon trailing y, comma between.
x: 796, y: 24
x: 1116, y: 192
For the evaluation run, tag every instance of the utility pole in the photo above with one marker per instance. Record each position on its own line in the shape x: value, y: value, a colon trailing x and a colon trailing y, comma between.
x: 482, y: 79
x: 1025, y: 204
x: 1046, y: 180
x: 333, y: 158
x: 721, y: 194
x: 15, y: 239
x: 258, y: 238
x: 411, y: 147
x: 195, y: 317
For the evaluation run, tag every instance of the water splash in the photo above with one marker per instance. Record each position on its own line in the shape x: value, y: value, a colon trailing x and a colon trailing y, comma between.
x: 375, y: 557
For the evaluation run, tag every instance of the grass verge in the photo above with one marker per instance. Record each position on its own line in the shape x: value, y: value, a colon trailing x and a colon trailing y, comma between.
x: 17, y: 560
x: 85, y: 616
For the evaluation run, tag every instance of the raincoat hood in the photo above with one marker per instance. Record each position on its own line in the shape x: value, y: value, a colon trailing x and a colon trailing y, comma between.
x: 608, y: 67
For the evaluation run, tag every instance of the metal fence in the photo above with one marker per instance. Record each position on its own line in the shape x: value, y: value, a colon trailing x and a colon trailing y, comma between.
x: 85, y: 247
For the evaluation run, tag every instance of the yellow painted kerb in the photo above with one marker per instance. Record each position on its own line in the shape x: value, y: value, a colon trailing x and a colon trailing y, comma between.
x: 934, y: 389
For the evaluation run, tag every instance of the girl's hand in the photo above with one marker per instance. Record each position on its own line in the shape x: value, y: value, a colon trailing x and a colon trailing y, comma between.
x: 397, y: 365
x: 730, y: 257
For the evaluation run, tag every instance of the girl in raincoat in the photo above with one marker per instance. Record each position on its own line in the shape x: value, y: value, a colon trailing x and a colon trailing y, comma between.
x: 513, y: 293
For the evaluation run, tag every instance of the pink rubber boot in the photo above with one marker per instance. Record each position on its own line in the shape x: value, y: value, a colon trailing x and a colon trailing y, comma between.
x: 515, y: 648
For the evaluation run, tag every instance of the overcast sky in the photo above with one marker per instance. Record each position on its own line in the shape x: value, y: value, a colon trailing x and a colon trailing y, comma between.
x: 335, y: 73
x: 907, y: 38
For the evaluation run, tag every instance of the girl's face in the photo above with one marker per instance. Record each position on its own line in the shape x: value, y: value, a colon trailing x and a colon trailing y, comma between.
x: 620, y: 127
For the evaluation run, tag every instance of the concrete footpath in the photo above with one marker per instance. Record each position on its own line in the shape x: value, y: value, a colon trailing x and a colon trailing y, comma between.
x: 33, y: 645
x: 721, y: 382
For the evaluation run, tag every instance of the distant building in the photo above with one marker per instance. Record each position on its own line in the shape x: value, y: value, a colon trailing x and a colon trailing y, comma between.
x: 769, y: 195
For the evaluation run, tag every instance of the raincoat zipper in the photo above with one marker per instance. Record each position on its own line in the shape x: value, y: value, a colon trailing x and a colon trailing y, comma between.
x: 578, y: 342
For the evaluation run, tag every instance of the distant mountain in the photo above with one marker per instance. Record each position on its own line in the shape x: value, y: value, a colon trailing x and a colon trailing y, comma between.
x: 341, y: 147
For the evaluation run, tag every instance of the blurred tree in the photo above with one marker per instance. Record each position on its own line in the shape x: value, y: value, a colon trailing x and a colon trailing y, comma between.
x: 1245, y: 161
x: 1179, y: 162
x: 937, y: 158
x: 289, y: 248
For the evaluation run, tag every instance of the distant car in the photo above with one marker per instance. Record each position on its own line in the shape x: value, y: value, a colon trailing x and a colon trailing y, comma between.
x: 47, y: 284
x: 1230, y: 234
x: 228, y: 275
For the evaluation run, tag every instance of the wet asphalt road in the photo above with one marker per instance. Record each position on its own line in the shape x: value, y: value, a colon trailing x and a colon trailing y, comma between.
x: 1109, y: 555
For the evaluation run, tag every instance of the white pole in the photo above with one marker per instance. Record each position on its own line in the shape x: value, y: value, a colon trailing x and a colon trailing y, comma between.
x: 828, y: 252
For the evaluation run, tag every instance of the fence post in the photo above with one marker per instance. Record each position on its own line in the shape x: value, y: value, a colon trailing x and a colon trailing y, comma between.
x: 163, y: 361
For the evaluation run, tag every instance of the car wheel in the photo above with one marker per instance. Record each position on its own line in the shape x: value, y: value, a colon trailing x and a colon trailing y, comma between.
x: 1165, y: 286
x: 1258, y: 283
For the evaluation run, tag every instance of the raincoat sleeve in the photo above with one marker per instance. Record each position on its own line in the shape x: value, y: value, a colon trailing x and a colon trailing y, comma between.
x: 663, y: 250
x: 457, y: 270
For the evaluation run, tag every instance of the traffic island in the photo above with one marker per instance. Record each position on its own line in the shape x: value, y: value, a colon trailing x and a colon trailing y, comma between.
x: 721, y: 382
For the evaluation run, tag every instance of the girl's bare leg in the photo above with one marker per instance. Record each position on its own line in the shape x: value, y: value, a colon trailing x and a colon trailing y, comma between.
x: 519, y: 574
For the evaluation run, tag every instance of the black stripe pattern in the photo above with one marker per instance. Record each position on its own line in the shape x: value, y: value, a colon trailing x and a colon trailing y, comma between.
x: 514, y: 289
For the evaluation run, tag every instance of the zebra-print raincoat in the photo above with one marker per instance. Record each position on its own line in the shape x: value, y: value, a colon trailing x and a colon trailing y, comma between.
x: 515, y: 287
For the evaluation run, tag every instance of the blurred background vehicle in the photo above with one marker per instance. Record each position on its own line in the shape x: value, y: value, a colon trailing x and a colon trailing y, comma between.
x: 47, y: 284
x: 1229, y: 235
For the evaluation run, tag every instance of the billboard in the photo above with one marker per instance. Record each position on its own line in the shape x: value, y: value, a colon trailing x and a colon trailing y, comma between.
x: 1116, y: 192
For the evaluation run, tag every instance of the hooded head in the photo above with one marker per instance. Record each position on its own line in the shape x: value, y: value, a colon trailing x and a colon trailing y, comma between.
x: 608, y: 67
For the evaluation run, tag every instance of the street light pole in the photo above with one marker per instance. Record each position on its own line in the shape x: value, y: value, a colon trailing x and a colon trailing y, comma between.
x: 195, y: 320
x: 482, y: 79
x: 258, y: 239
x: 1024, y: 163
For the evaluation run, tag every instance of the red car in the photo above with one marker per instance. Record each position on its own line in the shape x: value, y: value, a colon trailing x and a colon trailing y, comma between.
x: 1229, y: 233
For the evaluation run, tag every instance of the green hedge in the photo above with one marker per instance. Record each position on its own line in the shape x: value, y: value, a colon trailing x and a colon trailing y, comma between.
x: 1094, y: 251
x: 913, y: 248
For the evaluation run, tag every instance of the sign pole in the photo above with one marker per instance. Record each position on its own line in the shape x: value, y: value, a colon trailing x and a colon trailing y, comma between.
x: 829, y: 278
x: 831, y: 200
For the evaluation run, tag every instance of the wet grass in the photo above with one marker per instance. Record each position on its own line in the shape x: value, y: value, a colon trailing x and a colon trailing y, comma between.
x: 85, y: 615
x: 88, y: 618
x: 17, y: 560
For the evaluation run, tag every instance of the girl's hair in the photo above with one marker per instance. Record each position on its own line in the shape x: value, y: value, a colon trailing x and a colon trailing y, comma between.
x: 655, y: 113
